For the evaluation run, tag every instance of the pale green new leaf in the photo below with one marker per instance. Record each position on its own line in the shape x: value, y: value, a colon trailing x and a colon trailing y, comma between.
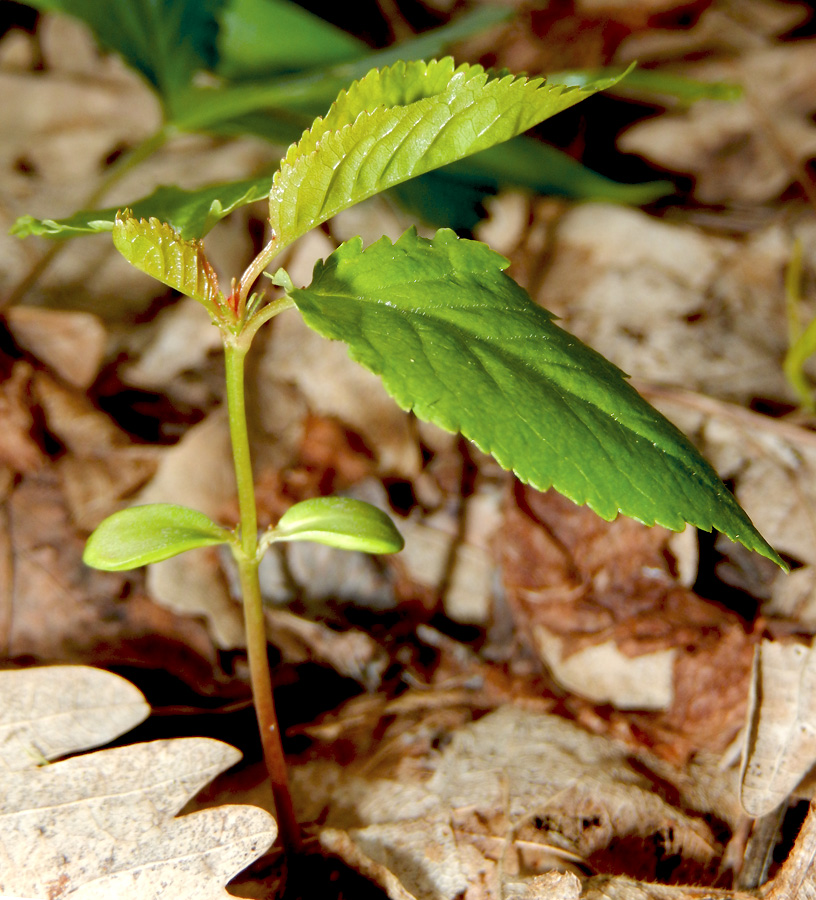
x: 523, y: 162
x: 341, y: 522
x: 146, y: 534
x: 400, y: 122
x: 462, y: 345
x: 156, y: 249
x: 191, y: 213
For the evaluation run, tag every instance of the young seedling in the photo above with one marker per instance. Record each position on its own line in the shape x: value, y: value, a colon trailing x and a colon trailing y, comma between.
x: 451, y: 335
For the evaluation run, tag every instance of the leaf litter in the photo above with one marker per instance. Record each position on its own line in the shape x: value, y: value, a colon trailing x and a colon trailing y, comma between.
x: 530, y: 689
x: 101, y: 824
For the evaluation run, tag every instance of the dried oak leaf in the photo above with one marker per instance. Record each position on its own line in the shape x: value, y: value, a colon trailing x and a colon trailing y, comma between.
x: 71, y: 343
x: 102, y: 825
x: 726, y: 27
x: 796, y: 878
x: 334, y: 386
x: 46, y: 713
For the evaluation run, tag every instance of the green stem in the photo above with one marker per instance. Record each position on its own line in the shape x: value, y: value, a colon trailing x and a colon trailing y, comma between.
x: 235, y: 351
x: 265, y: 313
x: 248, y: 560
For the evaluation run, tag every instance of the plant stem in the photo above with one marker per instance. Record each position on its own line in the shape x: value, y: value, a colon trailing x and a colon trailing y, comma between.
x: 248, y: 560
x: 253, y: 272
x: 235, y: 351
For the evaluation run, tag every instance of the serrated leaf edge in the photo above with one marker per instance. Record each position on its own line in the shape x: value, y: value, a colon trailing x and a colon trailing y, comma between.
x: 328, y: 135
x: 751, y: 538
x: 166, y: 257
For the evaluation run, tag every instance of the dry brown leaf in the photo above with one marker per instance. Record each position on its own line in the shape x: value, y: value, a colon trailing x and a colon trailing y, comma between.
x: 18, y: 449
x: 604, y: 674
x: 542, y: 767
x: 341, y: 844
x: 180, y: 338
x: 749, y: 150
x: 197, y: 471
x: 74, y: 420
x: 725, y: 27
x: 102, y: 825
x: 552, y: 886
x: 198, y: 862
x: 62, y: 125
x: 101, y: 467
x: 333, y: 385
x: 672, y: 304
x: 46, y: 713
x: 510, y: 796
x: 605, y: 887
x: 95, y: 487
x: 448, y: 554
x: 352, y: 652
x: 193, y: 585
x: 576, y: 584
x: 627, y: 8
x: 780, y: 747
x: 71, y: 343
x: 68, y: 110
x: 796, y: 879
x: 773, y: 466
x: 59, y: 609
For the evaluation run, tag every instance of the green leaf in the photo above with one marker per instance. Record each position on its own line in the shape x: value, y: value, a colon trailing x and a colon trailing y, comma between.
x: 339, y: 522
x: 448, y: 196
x: 168, y: 41
x: 451, y: 195
x: 651, y: 83
x: 146, y: 534
x: 397, y: 123
x: 220, y: 109
x: 155, y: 248
x: 191, y: 213
x: 527, y: 163
x: 461, y: 344
x: 264, y: 37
